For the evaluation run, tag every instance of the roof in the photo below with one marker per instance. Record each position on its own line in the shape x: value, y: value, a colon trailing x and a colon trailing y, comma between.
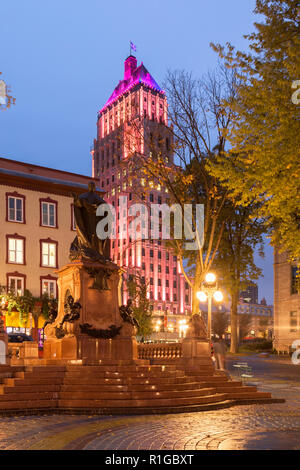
x: 35, y: 177
x: 140, y: 75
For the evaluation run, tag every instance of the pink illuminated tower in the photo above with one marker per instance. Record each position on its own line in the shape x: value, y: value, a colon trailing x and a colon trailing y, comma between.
x: 135, y: 114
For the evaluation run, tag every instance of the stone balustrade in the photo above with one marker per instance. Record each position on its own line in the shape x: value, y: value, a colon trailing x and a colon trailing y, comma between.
x: 160, y: 350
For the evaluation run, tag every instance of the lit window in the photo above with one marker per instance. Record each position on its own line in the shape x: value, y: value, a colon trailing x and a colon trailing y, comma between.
x: 16, y: 285
x: 49, y: 254
x: 49, y: 288
x: 16, y: 250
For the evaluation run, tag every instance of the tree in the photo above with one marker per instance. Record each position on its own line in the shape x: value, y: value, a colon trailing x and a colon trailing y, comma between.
x: 264, y: 130
x: 220, y: 321
x: 198, y: 125
x: 245, y: 322
x: 234, y: 261
x: 137, y: 291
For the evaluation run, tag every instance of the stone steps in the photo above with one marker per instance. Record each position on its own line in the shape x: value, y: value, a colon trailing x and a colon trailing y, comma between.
x: 245, y: 394
x: 135, y: 395
x: 127, y: 389
x: 28, y: 405
x: 20, y: 397
x: 130, y: 387
x: 164, y: 402
x: 4, y: 389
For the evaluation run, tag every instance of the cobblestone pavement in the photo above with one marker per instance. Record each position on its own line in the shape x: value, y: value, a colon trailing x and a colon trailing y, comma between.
x: 273, y: 426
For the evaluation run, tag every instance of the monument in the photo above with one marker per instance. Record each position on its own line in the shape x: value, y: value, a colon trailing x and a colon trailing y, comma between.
x: 90, y: 327
x: 195, y: 345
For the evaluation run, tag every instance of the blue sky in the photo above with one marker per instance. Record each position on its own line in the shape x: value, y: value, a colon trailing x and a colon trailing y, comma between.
x: 62, y: 60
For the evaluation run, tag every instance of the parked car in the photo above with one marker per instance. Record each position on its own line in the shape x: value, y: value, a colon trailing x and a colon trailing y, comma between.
x: 18, y: 338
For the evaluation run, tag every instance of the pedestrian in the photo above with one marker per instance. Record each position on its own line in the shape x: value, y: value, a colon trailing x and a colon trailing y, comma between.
x: 220, y: 353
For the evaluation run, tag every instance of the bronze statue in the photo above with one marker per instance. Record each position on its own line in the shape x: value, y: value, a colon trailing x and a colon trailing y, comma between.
x: 86, y: 244
x: 52, y: 313
x: 72, y: 310
x: 197, y: 328
x: 126, y: 313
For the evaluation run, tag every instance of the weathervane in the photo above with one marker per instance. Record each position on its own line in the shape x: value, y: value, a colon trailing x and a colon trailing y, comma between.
x: 132, y: 47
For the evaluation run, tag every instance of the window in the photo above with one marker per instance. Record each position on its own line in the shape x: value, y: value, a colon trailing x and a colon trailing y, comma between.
x: 295, y: 280
x: 293, y: 322
x: 48, y: 286
x: 48, y: 213
x: 151, y: 253
x: 15, y: 249
x: 15, y: 207
x: 16, y: 283
x: 49, y: 253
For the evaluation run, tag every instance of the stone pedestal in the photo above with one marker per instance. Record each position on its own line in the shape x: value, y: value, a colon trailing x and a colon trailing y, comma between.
x: 196, y: 352
x: 100, y: 333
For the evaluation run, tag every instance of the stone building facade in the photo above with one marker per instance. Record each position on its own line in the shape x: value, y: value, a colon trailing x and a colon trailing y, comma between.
x: 286, y: 303
x: 37, y: 227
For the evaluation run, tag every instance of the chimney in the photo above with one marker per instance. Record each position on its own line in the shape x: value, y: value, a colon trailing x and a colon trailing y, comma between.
x: 130, y: 65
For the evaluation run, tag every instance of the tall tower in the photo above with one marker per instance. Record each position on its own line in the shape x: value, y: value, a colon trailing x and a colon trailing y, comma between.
x: 134, y: 115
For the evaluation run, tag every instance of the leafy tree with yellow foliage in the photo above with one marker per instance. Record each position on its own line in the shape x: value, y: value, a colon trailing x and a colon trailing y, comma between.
x: 264, y: 161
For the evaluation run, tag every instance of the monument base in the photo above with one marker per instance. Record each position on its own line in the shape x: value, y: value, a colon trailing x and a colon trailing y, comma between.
x: 196, y: 352
x: 85, y: 350
x: 99, y: 334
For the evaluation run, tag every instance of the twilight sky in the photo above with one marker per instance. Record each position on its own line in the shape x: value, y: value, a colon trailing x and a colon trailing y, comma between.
x: 63, y: 59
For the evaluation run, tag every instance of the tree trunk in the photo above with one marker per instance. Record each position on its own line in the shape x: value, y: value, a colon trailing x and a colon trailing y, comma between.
x: 196, y: 288
x: 234, y: 323
x: 34, y: 330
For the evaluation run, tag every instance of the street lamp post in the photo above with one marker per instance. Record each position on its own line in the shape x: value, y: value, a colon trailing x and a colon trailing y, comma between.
x: 209, y: 291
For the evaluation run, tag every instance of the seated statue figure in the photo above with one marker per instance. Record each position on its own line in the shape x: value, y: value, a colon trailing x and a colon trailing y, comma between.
x: 86, y: 244
x: 197, y: 328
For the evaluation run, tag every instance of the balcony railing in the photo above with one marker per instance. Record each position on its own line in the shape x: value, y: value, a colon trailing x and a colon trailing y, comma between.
x: 160, y: 351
